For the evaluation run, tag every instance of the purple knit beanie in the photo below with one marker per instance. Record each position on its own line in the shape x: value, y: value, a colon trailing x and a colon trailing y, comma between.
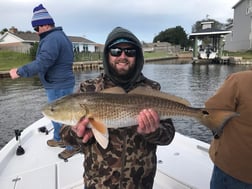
x: 41, y: 17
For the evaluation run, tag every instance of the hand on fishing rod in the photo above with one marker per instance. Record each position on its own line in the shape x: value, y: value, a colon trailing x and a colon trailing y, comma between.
x: 82, y: 130
x: 148, y: 121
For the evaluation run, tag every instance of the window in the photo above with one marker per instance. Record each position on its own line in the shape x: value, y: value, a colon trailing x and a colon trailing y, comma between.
x: 249, y: 7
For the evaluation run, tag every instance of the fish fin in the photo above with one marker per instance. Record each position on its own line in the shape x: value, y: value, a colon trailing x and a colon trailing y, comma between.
x: 156, y: 93
x: 216, y: 119
x: 98, y: 125
x: 102, y: 139
x: 114, y: 90
x: 99, y: 130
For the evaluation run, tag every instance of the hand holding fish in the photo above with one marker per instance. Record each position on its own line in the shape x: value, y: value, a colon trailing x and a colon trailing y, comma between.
x: 148, y: 121
x: 82, y: 130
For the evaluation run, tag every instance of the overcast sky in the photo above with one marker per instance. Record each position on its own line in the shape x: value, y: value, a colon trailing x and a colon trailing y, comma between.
x: 94, y: 19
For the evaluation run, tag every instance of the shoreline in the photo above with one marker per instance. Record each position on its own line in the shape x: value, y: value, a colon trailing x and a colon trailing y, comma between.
x: 89, y: 65
x: 93, y: 65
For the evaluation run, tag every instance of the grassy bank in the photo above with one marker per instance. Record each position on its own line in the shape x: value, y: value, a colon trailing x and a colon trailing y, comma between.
x: 245, y: 55
x: 10, y: 60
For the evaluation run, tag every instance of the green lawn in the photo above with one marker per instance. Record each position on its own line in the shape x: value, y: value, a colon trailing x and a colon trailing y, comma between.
x: 244, y: 55
x: 156, y: 54
x: 10, y: 59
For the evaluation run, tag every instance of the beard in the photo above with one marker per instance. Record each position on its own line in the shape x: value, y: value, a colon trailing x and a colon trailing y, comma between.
x: 123, y: 73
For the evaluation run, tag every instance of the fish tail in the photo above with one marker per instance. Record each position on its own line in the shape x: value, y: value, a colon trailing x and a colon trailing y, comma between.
x: 216, y: 119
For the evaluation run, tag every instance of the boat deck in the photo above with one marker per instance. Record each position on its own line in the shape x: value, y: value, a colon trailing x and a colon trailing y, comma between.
x: 182, y: 164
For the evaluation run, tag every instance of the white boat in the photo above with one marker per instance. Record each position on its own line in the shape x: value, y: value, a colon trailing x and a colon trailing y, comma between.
x: 182, y: 164
x: 207, y: 53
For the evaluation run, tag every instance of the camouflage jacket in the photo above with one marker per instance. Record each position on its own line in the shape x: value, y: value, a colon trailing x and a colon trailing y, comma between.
x: 129, y: 161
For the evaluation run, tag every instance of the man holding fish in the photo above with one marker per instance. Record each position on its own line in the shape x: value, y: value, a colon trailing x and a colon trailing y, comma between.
x: 128, y: 160
x: 120, y: 117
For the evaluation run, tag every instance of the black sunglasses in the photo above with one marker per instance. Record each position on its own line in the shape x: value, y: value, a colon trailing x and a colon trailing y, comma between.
x: 36, y: 28
x: 117, y: 51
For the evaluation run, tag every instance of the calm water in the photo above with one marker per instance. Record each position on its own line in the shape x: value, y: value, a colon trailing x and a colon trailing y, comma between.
x: 21, y: 100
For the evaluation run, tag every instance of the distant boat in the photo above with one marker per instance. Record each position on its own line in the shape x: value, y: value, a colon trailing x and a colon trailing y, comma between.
x: 182, y: 164
x: 207, y: 53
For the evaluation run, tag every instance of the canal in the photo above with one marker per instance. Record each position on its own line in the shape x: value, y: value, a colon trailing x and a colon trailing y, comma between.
x: 22, y: 99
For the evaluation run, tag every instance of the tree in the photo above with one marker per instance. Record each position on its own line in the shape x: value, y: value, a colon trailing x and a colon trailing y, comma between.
x: 216, y: 25
x: 3, y: 31
x: 175, y: 36
x: 229, y: 21
x: 33, y: 50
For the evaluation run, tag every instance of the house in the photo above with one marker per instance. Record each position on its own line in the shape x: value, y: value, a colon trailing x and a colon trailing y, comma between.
x: 14, y: 40
x: 241, y: 37
x: 81, y: 44
x: 19, y: 42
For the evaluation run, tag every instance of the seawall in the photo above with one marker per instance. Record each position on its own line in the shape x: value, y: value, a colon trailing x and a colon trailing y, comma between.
x: 92, y: 65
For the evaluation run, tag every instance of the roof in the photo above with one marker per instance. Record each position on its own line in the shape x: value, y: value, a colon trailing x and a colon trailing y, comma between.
x: 237, y: 4
x: 210, y: 31
x: 79, y: 39
x: 29, y: 36
x: 207, y: 22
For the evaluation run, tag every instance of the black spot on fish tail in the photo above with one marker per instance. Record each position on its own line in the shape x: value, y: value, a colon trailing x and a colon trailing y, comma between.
x: 205, y: 112
x: 217, y: 133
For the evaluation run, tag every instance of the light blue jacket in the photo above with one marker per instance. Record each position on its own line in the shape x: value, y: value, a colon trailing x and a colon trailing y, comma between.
x: 54, y: 61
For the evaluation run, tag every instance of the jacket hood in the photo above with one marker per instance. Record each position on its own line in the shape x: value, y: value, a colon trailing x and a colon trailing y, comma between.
x: 115, y: 34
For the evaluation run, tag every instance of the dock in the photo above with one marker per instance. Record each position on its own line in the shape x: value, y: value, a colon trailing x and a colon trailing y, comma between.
x: 223, y: 60
x: 77, y: 66
x: 4, y: 74
x: 88, y: 65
